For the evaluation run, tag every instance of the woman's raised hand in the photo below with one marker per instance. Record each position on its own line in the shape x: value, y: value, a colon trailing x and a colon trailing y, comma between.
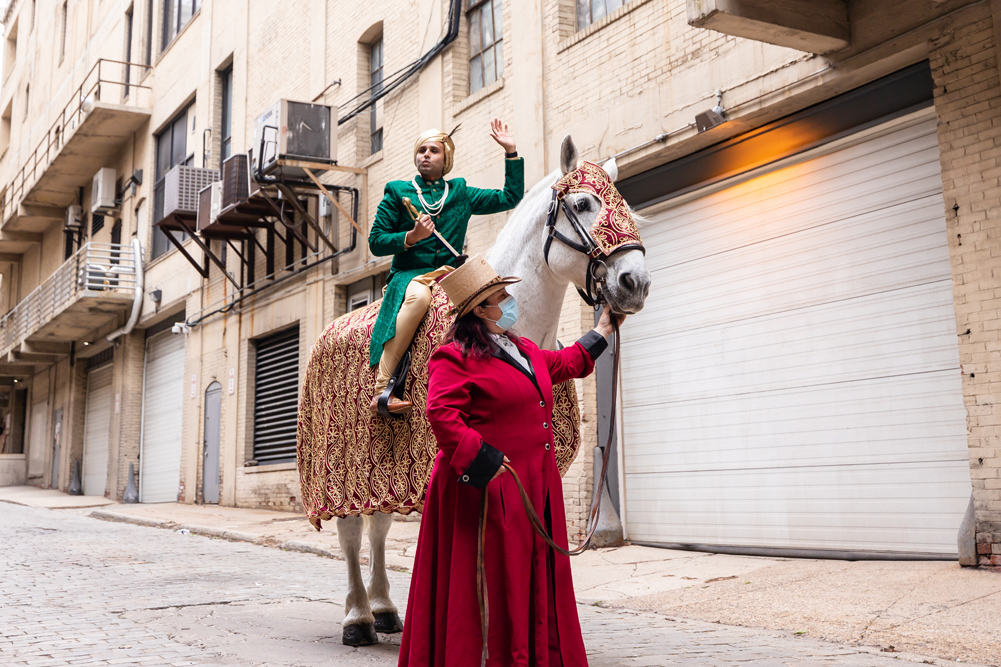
x: 604, y: 326
x: 500, y: 134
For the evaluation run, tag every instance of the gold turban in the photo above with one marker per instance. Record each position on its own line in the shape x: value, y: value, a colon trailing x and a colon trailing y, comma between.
x: 446, y: 141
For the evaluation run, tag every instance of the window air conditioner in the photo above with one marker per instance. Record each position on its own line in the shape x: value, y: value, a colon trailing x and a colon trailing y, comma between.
x: 74, y: 218
x: 235, y: 180
x: 103, y: 198
x: 209, y: 205
x: 181, y: 186
x: 294, y: 131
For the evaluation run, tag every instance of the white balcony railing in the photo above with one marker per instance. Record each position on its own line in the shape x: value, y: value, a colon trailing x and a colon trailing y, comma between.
x: 95, y: 270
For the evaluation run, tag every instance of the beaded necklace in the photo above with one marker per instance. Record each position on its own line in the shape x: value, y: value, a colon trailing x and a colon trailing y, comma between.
x: 431, y: 209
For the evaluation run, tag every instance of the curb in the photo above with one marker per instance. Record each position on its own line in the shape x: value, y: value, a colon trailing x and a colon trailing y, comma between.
x: 219, y: 533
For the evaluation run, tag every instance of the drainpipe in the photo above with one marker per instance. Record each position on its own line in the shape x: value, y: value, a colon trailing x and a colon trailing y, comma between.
x: 137, y: 300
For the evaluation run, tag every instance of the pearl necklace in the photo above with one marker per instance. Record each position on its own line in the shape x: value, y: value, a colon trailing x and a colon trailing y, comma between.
x: 431, y: 209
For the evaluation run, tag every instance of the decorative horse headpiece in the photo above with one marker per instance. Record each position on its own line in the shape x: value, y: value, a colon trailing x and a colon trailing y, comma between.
x: 613, y: 228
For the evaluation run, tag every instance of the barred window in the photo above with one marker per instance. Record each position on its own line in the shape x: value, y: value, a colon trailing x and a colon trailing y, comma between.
x: 375, y: 81
x: 592, y: 11
x: 486, y: 43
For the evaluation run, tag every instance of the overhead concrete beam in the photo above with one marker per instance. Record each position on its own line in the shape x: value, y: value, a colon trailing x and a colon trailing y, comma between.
x: 44, y: 347
x: 40, y: 211
x: 16, y: 370
x: 17, y: 357
x: 815, y: 26
x: 21, y: 237
x: 11, y: 257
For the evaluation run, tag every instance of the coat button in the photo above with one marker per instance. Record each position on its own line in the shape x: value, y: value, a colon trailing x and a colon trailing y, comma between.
x: 542, y: 404
x: 465, y: 478
x: 545, y: 424
x: 547, y: 446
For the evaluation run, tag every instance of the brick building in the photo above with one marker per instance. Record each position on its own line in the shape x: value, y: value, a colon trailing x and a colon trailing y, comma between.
x: 817, y: 369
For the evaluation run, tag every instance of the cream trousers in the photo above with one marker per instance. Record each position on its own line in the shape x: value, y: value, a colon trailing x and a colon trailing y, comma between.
x: 415, y: 305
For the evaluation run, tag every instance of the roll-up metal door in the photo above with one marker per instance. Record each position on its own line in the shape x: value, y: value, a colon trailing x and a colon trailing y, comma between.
x: 97, y: 431
x: 163, y: 403
x: 276, y: 397
x: 793, y: 381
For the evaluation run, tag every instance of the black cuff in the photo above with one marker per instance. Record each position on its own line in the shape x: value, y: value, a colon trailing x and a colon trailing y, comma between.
x: 594, y: 343
x: 483, y: 468
x: 512, y: 155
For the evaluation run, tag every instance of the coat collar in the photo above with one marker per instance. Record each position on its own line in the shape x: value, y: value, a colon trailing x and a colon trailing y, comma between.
x: 503, y: 355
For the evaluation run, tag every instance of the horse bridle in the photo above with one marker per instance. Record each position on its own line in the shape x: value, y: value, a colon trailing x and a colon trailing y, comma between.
x: 593, y: 293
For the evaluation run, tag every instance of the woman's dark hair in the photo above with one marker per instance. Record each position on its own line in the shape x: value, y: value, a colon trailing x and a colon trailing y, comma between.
x: 470, y: 333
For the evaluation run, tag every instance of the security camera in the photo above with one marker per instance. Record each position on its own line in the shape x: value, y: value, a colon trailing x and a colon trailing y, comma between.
x: 180, y: 327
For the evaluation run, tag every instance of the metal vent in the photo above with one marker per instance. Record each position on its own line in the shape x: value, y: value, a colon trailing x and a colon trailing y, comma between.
x: 181, y: 187
x: 276, y: 397
x: 96, y: 223
x: 235, y: 180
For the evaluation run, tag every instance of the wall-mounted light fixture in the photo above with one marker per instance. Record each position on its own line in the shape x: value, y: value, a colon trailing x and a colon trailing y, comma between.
x: 713, y: 117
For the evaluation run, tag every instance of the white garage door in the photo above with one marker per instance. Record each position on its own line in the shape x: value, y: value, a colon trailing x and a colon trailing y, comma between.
x: 794, y: 380
x: 97, y: 429
x: 162, y: 403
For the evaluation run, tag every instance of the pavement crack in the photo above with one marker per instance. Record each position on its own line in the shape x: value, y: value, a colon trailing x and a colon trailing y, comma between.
x: 875, y: 618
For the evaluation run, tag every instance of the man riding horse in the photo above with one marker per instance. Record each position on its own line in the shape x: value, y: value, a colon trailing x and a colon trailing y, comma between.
x: 422, y: 223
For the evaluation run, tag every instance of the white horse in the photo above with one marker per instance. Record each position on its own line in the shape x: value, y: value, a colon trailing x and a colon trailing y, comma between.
x: 519, y: 251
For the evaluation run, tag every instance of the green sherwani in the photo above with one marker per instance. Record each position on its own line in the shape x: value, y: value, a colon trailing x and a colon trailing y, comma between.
x: 392, y: 223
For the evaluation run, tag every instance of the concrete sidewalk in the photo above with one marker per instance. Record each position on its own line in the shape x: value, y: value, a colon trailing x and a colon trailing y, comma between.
x: 907, y: 607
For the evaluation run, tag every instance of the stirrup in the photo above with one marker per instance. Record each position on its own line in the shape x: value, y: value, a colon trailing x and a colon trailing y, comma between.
x: 396, y: 386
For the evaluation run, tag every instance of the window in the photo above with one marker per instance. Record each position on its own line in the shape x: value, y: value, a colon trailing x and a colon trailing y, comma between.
x: 176, y: 14
x: 375, y: 80
x: 226, y: 115
x: 27, y: 100
x: 486, y: 43
x: 276, y: 397
x: 592, y: 11
x: 171, y: 150
x: 63, y: 14
x: 148, y: 53
x: 128, y: 50
x: 96, y: 224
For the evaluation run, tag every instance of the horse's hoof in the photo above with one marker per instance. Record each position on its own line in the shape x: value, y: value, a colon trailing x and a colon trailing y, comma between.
x: 359, y: 634
x: 388, y: 622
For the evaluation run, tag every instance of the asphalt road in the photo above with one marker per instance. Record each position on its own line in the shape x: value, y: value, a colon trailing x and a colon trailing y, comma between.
x: 78, y: 591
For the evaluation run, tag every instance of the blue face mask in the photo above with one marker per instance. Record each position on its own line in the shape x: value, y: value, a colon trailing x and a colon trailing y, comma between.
x: 509, y: 313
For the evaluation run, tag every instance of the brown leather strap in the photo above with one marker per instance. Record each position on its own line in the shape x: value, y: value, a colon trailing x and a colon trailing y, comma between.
x: 481, y: 580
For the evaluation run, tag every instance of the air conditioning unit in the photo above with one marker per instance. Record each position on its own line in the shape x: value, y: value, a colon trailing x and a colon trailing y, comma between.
x: 103, y: 198
x: 209, y: 205
x: 235, y: 180
x: 74, y: 218
x: 294, y: 131
x: 181, y: 186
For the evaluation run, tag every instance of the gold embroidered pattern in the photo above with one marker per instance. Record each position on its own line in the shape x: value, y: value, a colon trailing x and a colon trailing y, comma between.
x: 351, y: 463
x: 614, y: 226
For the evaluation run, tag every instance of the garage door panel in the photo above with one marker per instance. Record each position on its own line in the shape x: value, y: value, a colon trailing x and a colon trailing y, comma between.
x: 97, y: 431
x: 794, y: 380
x: 884, y: 420
x: 816, y: 266
x: 786, y: 205
x: 903, y: 332
x: 804, y: 508
x: 162, y: 408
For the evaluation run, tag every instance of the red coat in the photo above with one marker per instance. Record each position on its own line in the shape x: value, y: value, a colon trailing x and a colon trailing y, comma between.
x: 532, y: 609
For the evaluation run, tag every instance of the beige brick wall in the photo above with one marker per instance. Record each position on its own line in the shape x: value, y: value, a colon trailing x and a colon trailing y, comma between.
x: 968, y: 104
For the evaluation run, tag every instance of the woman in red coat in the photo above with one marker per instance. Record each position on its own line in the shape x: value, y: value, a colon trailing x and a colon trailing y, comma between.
x: 490, y: 399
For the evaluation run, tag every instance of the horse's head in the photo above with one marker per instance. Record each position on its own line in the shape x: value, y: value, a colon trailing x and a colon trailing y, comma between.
x: 593, y: 241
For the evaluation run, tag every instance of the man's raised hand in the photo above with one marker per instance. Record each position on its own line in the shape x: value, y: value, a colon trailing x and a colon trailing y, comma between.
x: 500, y: 134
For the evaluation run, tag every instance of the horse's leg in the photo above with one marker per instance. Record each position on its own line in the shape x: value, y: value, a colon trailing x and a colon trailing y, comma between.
x: 386, y: 617
x: 359, y: 624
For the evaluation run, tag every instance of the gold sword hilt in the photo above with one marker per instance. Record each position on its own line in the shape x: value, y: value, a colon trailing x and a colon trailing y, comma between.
x: 415, y: 214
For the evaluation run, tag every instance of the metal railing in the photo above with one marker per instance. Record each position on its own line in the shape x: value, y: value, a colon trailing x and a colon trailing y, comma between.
x: 96, y: 268
x: 107, y: 81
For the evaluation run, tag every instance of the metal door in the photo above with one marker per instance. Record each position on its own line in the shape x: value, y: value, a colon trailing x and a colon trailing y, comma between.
x: 210, y: 444
x: 56, y: 449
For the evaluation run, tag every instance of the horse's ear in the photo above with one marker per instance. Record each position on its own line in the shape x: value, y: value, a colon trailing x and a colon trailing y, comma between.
x: 568, y: 155
x: 612, y: 169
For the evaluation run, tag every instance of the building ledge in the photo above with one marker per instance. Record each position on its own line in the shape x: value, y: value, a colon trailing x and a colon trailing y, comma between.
x: 89, y: 131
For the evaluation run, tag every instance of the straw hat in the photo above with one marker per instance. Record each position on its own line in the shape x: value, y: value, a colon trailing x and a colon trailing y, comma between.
x: 472, y: 283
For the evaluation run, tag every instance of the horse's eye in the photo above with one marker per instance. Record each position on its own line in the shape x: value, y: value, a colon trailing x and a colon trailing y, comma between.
x: 582, y: 205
